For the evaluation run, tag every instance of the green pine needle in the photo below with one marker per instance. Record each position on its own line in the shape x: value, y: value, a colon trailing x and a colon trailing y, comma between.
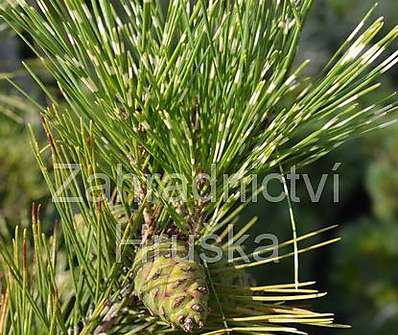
x: 200, y: 88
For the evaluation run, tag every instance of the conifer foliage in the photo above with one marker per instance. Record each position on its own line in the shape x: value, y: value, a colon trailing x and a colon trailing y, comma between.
x: 197, y: 89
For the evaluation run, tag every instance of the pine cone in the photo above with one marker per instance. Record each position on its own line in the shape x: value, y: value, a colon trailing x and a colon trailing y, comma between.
x: 171, y: 284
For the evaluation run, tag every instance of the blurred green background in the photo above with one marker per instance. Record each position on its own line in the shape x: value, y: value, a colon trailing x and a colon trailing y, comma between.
x: 360, y: 273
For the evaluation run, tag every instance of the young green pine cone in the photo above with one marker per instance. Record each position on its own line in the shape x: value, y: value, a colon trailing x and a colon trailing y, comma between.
x: 172, y: 285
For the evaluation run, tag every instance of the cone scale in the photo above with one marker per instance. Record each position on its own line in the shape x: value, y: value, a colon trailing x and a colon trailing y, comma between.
x: 171, y: 285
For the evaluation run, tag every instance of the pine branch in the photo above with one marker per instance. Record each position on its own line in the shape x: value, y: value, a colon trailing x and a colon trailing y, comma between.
x: 202, y: 87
